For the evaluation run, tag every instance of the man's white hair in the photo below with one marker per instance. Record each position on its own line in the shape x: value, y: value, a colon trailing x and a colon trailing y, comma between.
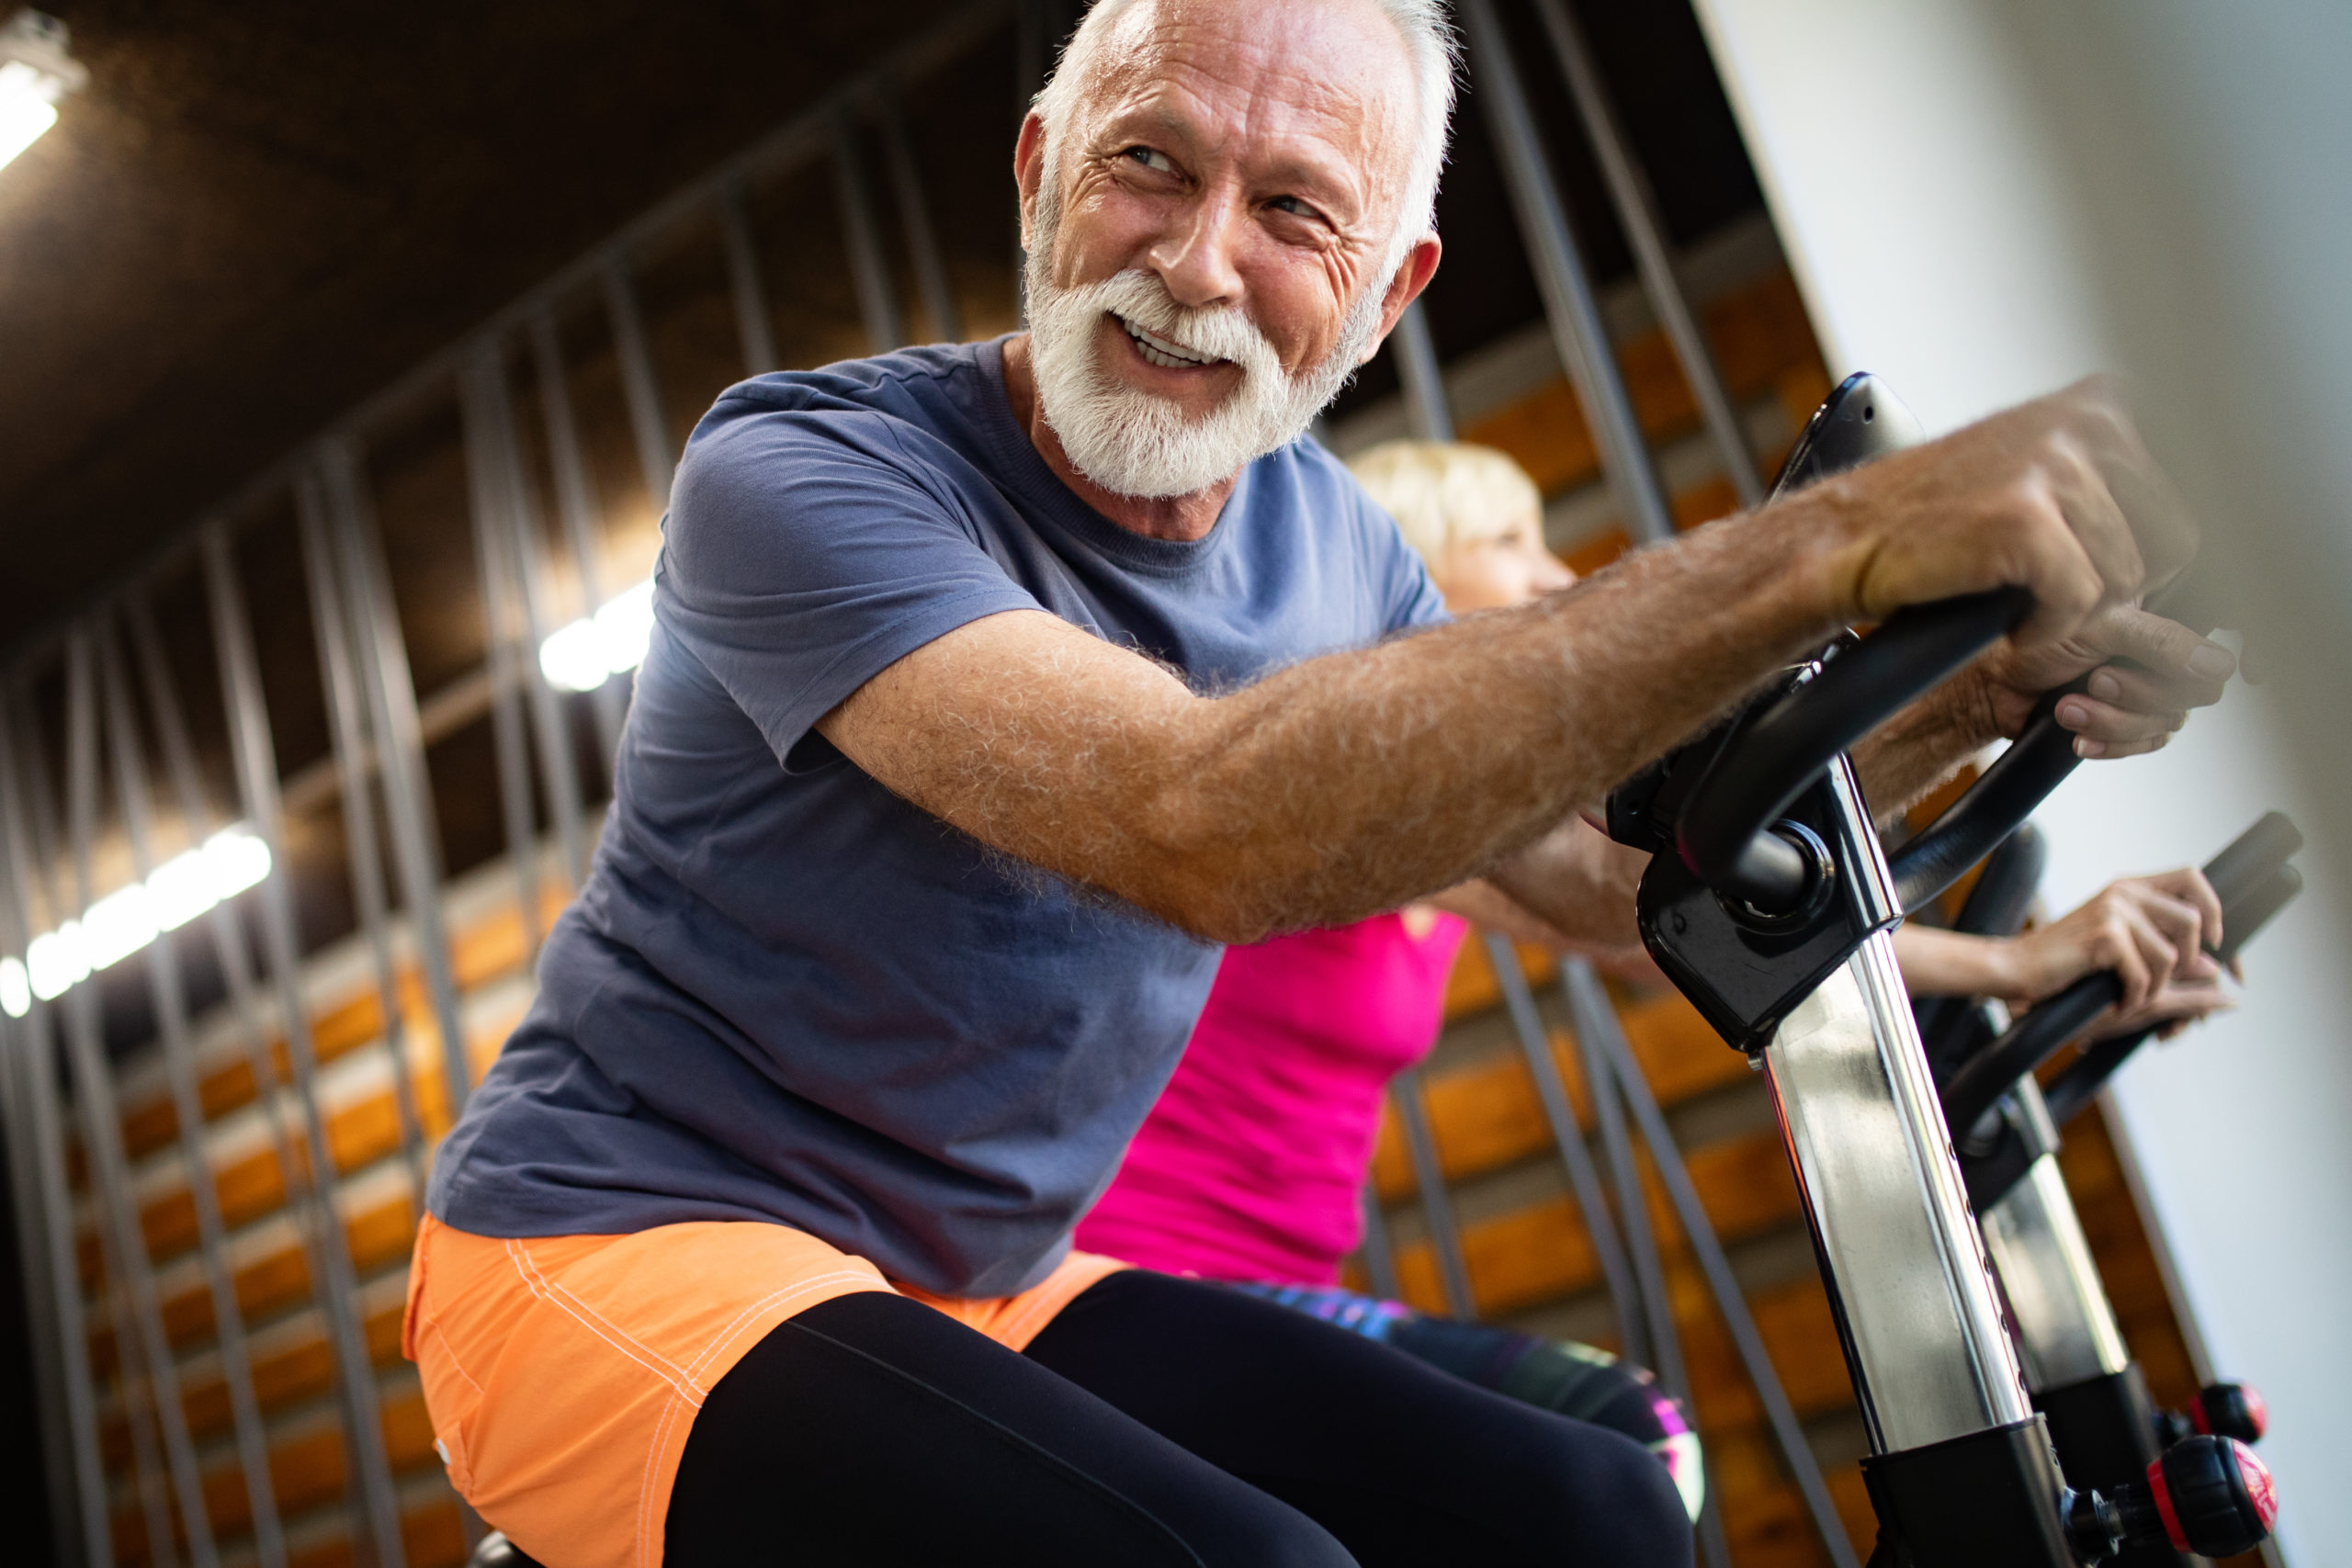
x: 1429, y: 41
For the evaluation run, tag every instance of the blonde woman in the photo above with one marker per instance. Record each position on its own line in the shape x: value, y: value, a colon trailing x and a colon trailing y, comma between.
x: 1250, y: 1166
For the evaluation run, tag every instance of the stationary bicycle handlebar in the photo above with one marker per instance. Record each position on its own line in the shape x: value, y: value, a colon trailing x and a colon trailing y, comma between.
x: 1725, y: 831
x: 2079, y: 1084
x: 2252, y: 880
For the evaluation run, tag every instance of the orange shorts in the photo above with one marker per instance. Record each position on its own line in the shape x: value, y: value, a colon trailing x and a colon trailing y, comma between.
x: 562, y: 1373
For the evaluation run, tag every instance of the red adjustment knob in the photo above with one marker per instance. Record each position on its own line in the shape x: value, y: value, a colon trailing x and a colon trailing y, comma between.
x: 2209, y: 1495
x: 2229, y: 1410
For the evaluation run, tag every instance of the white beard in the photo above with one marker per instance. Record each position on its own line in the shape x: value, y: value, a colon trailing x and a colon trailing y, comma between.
x: 1135, y: 442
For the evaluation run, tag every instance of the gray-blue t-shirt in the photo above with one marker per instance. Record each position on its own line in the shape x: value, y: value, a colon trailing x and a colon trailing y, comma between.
x: 785, y: 993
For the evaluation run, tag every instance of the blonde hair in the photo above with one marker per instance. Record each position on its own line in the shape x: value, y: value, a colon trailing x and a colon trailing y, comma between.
x: 1445, y: 494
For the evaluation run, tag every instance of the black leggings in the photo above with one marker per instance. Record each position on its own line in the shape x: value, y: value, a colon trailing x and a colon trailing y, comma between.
x: 1157, y: 1421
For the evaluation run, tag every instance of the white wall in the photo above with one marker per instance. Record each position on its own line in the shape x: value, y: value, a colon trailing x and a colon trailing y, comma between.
x: 1984, y: 199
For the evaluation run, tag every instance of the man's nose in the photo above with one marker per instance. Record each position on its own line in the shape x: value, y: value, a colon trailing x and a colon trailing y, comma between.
x: 1195, y: 258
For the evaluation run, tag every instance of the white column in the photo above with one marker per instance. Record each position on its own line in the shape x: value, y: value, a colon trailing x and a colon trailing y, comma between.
x: 1982, y: 200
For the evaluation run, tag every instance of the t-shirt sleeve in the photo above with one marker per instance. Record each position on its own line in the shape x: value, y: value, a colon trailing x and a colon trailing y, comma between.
x: 805, y: 553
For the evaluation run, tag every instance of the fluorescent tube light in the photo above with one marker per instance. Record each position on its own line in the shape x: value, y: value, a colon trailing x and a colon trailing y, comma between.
x: 35, y: 73
x: 129, y: 918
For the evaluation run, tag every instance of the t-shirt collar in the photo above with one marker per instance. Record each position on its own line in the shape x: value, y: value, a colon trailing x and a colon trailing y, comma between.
x: 1039, y: 486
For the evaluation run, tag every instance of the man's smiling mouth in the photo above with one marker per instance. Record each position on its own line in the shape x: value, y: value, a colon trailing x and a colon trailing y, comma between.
x: 1157, y: 350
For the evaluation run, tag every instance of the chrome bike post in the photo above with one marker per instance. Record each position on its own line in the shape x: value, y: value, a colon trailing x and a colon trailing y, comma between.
x: 1908, y: 1280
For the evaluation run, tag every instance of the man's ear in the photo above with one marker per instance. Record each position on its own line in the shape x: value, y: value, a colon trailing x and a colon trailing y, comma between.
x: 1029, y: 168
x: 1413, y: 274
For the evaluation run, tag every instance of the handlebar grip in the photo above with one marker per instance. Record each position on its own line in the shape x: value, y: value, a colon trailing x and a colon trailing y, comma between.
x: 2251, y: 857
x: 2241, y: 919
x: 1725, y: 830
x: 2029, y: 1042
x: 2015, y: 783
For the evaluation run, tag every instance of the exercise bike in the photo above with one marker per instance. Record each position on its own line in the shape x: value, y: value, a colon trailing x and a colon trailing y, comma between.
x: 2081, y: 1377
x: 1768, y: 902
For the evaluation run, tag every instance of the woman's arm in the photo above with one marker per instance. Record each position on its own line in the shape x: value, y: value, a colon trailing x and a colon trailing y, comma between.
x: 2152, y: 931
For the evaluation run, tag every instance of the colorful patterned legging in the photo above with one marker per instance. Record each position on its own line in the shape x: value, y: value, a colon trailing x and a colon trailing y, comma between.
x: 1580, y: 1382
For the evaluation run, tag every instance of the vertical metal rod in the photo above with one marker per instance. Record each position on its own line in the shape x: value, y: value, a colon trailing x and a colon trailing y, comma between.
x: 255, y: 757
x: 400, y: 747
x: 527, y: 541
x: 80, y: 1516
x: 487, y: 493
x: 347, y: 733
x: 151, y: 1480
x: 33, y: 847
x: 1636, y: 204
x: 102, y: 1119
x: 743, y: 280
x: 1379, y: 1256
x: 647, y: 421
x: 1592, y: 1014
x: 877, y: 296
x: 1584, y: 1178
x: 168, y: 994
x: 1610, y: 1042
x: 1577, y: 330
x: 229, y: 943
x: 1429, y: 1175
x: 576, y: 501
x: 315, y: 1220
x: 914, y: 218
x: 1420, y: 376
x: 54, y: 1433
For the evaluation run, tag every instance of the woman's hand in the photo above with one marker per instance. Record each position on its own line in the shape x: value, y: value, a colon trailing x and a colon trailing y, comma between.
x: 2152, y: 931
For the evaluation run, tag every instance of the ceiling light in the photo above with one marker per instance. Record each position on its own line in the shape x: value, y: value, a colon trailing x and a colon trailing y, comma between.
x: 35, y: 73
x: 129, y: 918
x: 583, y: 655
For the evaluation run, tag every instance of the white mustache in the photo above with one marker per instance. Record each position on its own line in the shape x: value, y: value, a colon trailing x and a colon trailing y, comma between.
x: 1139, y: 299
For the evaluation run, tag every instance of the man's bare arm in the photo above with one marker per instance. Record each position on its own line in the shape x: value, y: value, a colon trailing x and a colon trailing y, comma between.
x: 1353, y: 783
x: 1340, y: 787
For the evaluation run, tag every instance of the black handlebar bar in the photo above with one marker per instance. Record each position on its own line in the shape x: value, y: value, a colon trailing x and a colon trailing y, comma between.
x: 2080, y: 1083
x: 1725, y: 833
x: 2247, y: 877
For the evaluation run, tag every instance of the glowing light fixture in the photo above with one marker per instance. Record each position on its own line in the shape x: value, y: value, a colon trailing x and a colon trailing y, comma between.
x: 585, y: 655
x: 35, y: 73
x: 125, y: 920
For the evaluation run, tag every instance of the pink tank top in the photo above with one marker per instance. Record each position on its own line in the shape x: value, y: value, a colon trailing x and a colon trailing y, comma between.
x: 1251, y: 1164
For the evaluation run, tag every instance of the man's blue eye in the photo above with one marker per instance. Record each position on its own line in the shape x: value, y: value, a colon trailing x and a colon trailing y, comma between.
x: 1151, y: 158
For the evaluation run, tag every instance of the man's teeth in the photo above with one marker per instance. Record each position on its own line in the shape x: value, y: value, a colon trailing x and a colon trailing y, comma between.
x: 1160, y: 352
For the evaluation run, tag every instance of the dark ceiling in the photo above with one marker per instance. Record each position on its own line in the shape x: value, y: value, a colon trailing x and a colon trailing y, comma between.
x: 257, y: 214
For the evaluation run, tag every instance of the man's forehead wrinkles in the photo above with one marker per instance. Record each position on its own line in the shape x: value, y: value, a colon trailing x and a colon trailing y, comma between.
x: 1284, y: 128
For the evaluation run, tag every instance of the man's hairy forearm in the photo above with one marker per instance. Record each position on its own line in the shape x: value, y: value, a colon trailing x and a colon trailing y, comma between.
x: 1344, y: 785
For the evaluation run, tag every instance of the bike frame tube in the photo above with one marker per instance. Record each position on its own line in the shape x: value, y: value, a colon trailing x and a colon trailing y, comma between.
x: 1912, y: 1293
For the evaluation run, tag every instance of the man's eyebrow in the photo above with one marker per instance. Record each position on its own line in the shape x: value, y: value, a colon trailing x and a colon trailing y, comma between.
x: 1324, y: 179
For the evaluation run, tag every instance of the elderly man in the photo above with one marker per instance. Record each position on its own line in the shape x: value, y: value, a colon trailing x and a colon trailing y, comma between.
x: 992, y: 687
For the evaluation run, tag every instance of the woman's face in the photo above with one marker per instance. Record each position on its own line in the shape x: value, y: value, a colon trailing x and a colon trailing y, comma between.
x: 1505, y: 569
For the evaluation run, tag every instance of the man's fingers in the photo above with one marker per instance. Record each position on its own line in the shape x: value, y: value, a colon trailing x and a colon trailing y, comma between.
x: 2096, y: 720
x: 2160, y: 519
x: 2095, y: 514
x: 2165, y: 648
x: 2124, y: 686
